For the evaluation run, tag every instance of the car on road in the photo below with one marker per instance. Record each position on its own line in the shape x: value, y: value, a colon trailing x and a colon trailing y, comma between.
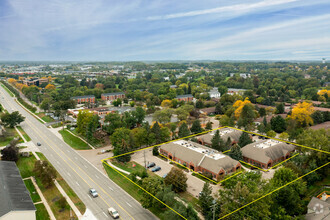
x: 157, y: 168
x: 93, y: 193
x: 152, y: 164
x: 39, y: 144
x: 113, y: 212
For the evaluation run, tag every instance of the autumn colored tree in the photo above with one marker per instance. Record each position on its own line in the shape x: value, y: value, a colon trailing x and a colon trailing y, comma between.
x: 166, y: 103
x: 50, y: 87
x: 99, y: 86
x: 238, y: 105
x: 301, y: 113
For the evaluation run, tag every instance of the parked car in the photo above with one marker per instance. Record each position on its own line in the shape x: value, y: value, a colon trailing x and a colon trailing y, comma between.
x: 157, y: 168
x: 38, y: 144
x: 113, y: 212
x: 165, y: 175
x: 93, y: 193
x: 152, y: 164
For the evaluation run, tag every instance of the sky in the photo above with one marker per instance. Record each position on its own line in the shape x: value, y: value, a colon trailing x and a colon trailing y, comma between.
x: 126, y: 30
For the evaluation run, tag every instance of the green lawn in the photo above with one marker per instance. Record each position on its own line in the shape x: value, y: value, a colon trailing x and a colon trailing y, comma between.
x: 57, y: 125
x: 27, y: 138
x: 73, y: 196
x: 45, y: 117
x: 26, y: 165
x: 188, y: 198
x: 33, y: 192
x: 41, y: 213
x: 74, y: 141
x: 4, y: 141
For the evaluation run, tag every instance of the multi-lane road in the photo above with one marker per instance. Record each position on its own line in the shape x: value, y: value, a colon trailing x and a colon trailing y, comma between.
x: 78, y: 172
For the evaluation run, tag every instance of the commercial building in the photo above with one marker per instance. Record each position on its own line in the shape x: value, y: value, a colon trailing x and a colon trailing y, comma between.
x: 200, y: 158
x: 112, y: 96
x: 15, y: 200
x: 83, y: 99
x: 185, y: 98
x: 225, y: 133
x: 266, y: 153
x: 35, y: 81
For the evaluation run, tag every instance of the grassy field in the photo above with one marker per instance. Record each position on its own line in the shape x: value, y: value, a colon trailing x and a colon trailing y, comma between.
x: 41, y: 213
x: 33, y: 192
x: 188, y: 198
x: 94, y: 142
x: 44, y: 117
x: 4, y: 141
x: 26, y: 165
x: 73, y: 196
x: 57, y: 125
x: 27, y: 138
x: 74, y: 141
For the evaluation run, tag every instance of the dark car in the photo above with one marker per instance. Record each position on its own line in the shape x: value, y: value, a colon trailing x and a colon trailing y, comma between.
x: 38, y: 144
x: 152, y: 164
x: 156, y: 169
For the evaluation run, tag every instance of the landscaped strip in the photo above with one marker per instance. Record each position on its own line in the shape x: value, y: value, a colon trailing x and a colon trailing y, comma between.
x: 73, y: 141
x: 45, y: 117
x: 27, y: 138
x: 41, y: 213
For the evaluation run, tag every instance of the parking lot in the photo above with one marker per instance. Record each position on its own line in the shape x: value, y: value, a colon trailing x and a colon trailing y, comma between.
x: 195, y: 185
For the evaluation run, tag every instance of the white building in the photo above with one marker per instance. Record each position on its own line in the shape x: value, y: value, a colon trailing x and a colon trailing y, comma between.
x: 214, y: 93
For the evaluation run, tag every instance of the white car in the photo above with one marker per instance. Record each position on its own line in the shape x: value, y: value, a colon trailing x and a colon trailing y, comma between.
x: 113, y: 212
x: 93, y: 193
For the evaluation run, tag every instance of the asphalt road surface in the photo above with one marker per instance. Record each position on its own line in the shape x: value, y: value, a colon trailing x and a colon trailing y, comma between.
x: 78, y: 172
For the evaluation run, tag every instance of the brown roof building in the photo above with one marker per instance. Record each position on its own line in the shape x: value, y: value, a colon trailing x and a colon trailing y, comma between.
x: 225, y: 133
x: 266, y: 153
x: 200, y: 158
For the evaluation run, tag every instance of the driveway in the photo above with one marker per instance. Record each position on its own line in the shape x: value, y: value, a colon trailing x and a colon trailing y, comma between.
x: 195, y: 185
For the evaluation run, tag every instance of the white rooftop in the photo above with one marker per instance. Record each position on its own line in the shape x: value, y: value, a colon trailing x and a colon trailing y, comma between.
x: 208, y: 152
x: 267, y: 144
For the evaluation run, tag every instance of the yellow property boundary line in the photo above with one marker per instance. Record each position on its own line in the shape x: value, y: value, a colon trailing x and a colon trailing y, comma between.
x: 225, y: 216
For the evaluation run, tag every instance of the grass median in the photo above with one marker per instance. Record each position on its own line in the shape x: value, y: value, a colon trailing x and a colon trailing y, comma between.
x: 41, y: 213
x: 75, y: 142
x: 45, y: 117
x: 27, y: 138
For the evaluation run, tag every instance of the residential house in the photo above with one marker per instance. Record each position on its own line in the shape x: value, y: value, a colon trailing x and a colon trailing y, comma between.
x: 85, y: 98
x: 214, y: 93
x: 318, y: 208
x: 200, y: 158
x: 15, y: 200
x: 232, y: 91
x: 266, y: 153
x: 186, y: 98
x: 225, y: 133
x: 112, y: 96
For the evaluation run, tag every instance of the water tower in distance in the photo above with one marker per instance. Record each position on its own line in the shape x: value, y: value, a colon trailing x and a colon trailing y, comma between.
x: 323, y: 60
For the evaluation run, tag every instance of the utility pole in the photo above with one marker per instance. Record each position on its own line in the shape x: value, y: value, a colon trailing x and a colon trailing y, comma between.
x: 214, y: 202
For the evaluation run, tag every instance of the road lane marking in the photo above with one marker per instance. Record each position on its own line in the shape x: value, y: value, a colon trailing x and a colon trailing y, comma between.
x: 105, y: 214
x: 69, y: 174
x: 57, y: 162
x: 110, y: 188
x: 128, y: 204
x: 77, y: 183
x: 35, y: 128
x: 97, y: 176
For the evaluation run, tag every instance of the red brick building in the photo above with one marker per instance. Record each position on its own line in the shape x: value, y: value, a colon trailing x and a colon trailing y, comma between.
x: 267, y: 153
x: 84, y: 99
x: 112, y: 96
x: 200, y: 158
x: 185, y: 98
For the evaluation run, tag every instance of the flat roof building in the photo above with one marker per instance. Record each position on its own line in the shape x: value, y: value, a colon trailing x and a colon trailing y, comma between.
x: 15, y: 200
x: 200, y: 158
x: 85, y: 98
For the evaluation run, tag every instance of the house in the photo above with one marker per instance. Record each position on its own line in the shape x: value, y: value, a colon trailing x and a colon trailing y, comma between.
x: 225, y: 133
x: 185, y: 98
x: 208, y: 111
x: 266, y: 153
x: 318, y: 208
x: 85, y: 98
x: 232, y: 91
x: 200, y: 158
x: 173, y: 86
x: 214, y: 93
x: 15, y: 200
x: 112, y: 96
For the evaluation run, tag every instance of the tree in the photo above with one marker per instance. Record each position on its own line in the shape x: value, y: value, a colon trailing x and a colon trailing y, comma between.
x: 166, y: 103
x: 165, y: 134
x: 132, y: 103
x: 153, y: 185
x: 284, y: 136
x: 140, y: 136
x: 45, y: 104
x: 178, y: 179
x: 280, y: 108
x: 289, y: 197
x: 139, y: 114
x: 183, y: 111
x: 46, y: 172
x: 318, y: 117
x: 112, y: 121
x: 12, y: 119
x: 302, y: 114
x: 120, y: 137
x: 156, y: 131
x: 50, y: 87
x: 244, y: 139
x: 236, y: 152
x: 199, y: 104
x: 183, y: 130
x: 222, y: 89
x: 155, y: 151
x: 163, y: 116
x: 262, y: 112
x: 10, y: 152
x: 271, y: 133
x: 217, y: 142
x: 218, y: 108
x: 278, y: 124
x: 117, y: 102
x: 247, y: 116
x: 208, y: 126
x: 196, y: 127
x: 205, y: 199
